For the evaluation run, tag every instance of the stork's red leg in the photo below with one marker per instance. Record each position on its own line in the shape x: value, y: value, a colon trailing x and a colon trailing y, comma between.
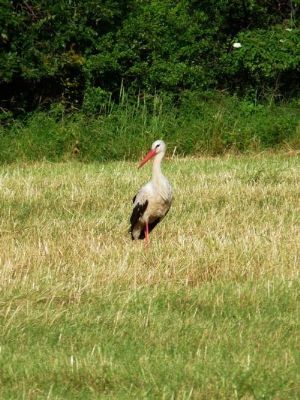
x: 147, y: 233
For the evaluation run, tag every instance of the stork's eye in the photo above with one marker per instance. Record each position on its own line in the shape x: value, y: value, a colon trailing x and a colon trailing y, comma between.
x: 157, y: 146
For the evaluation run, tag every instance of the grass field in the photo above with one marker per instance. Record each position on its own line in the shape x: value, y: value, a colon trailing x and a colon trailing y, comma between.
x: 211, y: 310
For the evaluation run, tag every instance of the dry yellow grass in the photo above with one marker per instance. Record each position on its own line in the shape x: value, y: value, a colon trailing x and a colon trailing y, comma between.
x: 64, y: 226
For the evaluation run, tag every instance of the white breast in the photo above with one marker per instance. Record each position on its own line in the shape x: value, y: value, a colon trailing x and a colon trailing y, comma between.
x: 159, y: 199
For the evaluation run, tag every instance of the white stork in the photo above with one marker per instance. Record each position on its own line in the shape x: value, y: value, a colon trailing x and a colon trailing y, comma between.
x: 154, y: 199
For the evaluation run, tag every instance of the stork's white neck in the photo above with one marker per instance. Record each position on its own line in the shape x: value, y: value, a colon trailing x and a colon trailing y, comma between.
x: 157, y: 175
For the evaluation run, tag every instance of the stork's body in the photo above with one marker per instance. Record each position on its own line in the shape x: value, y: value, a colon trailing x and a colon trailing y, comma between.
x: 153, y: 201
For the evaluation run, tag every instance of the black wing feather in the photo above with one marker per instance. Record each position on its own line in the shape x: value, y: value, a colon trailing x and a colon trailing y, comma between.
x: 137, y: 212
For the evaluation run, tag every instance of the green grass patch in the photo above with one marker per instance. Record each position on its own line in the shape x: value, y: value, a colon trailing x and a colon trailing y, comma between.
x: 214, y: 341
x: 208, y: 124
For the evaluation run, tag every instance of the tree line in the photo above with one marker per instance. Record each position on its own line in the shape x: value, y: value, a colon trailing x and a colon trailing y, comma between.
x: 82, y: 52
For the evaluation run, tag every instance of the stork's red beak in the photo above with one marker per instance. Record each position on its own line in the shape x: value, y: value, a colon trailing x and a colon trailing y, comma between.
x: 148, y: 157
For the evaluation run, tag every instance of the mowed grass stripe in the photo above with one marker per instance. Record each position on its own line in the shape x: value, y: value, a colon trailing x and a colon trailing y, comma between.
x: 215, y: 341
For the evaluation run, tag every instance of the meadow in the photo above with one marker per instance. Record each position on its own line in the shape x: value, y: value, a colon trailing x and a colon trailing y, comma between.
x: 210, y: 310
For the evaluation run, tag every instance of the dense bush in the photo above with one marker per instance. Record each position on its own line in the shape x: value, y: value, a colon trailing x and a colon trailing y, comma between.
x: 270, y: 59
x: 76, y: 52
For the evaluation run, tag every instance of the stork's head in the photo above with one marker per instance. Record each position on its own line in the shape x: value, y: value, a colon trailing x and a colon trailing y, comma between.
x: 157, y: 147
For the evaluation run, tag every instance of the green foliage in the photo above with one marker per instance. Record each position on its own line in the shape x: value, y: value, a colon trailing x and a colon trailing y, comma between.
x: 162, y: 46
x: 45, y: 45
x: 96, y: 100
x: 268, y: 58
x: 59, y: 51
